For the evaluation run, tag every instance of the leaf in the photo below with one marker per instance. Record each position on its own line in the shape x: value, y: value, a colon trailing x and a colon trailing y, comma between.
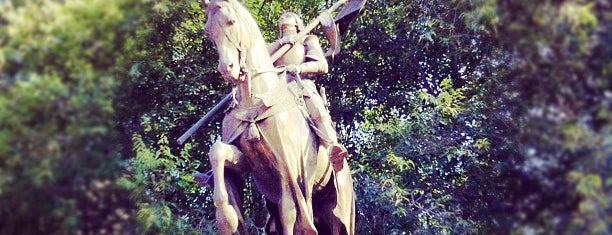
x: 125, y: 183
x: 482, y: 144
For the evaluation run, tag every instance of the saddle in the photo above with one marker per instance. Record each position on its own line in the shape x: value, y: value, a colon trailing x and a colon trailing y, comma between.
x: 245, y: 118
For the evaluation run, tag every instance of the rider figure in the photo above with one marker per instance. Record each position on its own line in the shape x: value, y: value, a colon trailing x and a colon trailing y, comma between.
x: 306, y: 59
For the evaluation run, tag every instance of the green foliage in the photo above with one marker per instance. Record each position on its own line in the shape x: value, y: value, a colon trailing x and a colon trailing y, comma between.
x: 428, y: 158
x: 162, y: 187
x: 532, y: 86
x: 555, y: 77
x: 447, y: 101
x: 173, y: 76
x: 57, y: 131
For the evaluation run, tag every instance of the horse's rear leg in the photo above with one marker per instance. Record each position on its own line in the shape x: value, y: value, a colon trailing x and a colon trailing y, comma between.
x: 334, y: 204
x: 227, y: 188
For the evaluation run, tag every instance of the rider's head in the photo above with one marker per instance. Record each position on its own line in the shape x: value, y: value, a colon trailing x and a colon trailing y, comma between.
x: 290, y: 21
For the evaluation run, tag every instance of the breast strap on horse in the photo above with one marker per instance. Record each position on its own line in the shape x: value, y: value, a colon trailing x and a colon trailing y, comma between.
x: 276, y: 101
x: 281, y: 99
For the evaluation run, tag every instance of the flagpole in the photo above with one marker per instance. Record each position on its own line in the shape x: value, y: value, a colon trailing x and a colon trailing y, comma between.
x: 226, y: 100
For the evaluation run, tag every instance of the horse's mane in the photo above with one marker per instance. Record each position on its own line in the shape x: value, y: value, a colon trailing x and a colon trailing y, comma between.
x: 248, y: 24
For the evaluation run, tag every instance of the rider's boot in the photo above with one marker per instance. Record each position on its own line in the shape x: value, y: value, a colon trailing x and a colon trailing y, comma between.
x: 329, y: 139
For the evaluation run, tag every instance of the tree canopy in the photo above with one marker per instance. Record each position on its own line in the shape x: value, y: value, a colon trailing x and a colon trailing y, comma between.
x: 461, y: 117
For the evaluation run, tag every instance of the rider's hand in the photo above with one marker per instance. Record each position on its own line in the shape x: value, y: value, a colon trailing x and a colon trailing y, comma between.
x: 294, y: 69
x: 291, y: 39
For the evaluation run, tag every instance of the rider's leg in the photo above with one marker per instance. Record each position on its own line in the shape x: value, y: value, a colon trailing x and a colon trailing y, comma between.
x: 320, y: 115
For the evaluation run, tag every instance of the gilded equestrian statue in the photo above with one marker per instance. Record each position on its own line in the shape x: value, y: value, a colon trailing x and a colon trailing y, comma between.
x: 266, y: 135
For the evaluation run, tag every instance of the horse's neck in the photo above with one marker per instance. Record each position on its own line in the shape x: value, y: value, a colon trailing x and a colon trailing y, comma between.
x: 258, y: 57
x: 263, y: 77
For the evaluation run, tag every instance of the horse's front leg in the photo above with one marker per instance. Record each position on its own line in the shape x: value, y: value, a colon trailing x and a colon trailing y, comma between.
x: 227, y: 188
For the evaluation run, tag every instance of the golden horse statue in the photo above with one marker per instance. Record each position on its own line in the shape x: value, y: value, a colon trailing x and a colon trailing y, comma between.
x: 267, y: 136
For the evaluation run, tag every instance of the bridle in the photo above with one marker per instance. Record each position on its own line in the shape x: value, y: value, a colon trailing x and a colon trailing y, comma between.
x: 236, y: 42
x: 246, y: 72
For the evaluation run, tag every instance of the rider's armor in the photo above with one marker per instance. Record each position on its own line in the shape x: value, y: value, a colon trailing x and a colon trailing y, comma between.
x: 306, y: 53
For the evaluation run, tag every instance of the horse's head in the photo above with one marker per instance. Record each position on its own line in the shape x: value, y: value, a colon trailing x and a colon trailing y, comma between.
x: 225, y: 29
